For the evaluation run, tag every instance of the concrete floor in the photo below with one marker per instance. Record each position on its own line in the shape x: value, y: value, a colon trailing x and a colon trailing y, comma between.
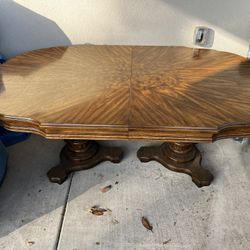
x: 35, y: 214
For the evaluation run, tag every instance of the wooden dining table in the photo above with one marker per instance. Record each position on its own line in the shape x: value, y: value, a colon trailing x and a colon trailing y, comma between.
x: 84, y: 93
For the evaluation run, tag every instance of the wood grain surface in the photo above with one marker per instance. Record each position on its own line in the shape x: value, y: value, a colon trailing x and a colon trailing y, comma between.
x: 68, y: 92
x: 127, y: 92
x: 176, y: 91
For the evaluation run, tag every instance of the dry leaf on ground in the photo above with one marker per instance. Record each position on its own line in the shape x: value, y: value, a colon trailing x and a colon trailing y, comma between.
x: 106, y: 189
x: 146, y: 223
x: 98, y: 210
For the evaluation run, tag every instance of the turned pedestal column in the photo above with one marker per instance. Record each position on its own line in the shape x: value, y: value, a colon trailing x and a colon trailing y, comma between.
x: 178, y: 157
x: 80, y: 155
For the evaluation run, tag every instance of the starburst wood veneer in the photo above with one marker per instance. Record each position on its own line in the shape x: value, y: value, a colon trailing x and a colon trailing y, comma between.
x: 84, y: 93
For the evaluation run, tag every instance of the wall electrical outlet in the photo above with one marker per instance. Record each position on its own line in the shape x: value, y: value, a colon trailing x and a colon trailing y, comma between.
x: 248, y: 53
x: 203, y: 37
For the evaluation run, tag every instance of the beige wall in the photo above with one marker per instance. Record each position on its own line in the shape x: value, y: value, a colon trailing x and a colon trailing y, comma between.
x: 30, y: 24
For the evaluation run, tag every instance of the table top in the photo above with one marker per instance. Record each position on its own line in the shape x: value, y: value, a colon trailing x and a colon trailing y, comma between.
x: 127, y: 92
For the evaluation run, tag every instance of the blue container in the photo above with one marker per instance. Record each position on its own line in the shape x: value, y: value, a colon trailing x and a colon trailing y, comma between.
x: 9, y: 138
x: 3, y: 162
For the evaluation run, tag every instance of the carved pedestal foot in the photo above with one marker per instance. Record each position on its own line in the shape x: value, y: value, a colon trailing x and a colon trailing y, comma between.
x: 178, y: 157
x: 80, y: 155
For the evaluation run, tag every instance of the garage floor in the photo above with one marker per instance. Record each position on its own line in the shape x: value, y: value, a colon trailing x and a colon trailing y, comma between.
x: 35, y: 214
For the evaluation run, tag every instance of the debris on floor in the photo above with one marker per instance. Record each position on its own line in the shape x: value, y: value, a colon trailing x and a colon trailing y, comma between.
x: 166, y: 242
x: 146, y: 223
x: 98, y: 211
x: 30, y: 243
x: 114, y: 221
x: 106, y: 189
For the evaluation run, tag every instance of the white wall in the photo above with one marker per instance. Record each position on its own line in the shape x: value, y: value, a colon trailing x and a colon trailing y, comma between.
x: 31, y: 24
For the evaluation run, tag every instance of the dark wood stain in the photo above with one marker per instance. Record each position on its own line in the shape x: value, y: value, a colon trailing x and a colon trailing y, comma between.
x: 178, y: 157
x: 79, y: 155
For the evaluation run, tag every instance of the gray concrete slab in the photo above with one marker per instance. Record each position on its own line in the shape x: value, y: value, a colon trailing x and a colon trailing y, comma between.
x: 183, y: 216
x: 30, y: 206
